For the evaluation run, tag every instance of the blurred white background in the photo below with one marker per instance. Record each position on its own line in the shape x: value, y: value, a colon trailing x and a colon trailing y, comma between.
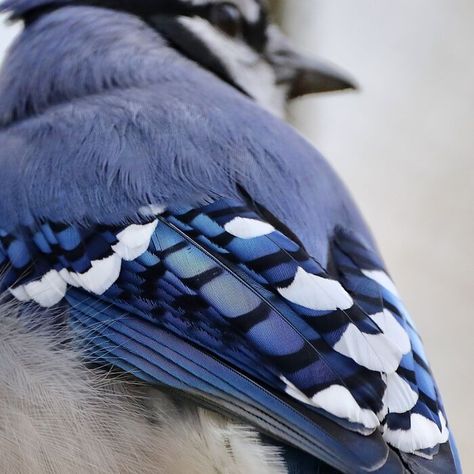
x: 7, y: 33
x: 405, y: 146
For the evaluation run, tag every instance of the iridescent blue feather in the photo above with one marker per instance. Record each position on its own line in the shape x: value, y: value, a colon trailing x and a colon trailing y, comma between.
x: 203, y: 308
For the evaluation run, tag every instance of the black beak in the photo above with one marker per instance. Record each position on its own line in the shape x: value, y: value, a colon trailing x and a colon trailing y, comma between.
x: 300, y: 74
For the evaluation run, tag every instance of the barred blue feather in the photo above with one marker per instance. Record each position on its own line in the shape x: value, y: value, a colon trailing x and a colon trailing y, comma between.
x: 198, y: 299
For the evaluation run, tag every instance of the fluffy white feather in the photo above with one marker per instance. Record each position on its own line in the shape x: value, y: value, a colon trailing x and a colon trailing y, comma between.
x: 57, y: 416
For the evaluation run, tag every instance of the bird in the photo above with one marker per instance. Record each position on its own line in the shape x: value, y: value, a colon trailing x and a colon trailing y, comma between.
x: 158, y: 210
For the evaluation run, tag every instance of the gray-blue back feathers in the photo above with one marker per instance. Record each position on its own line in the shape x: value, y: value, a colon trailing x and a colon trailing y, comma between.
x: 80, y: 80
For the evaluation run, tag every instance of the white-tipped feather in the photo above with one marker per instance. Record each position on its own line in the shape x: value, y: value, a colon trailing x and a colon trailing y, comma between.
x: 399, y: 396
x: 379, y: 352
x: 20, y: 293
x: 338, y: 401
x: 102, y: 275
x: 392, y: 329
x: 70, y: 278
x: 423, y: 434
x: 47, y: 291
x: 245, y: 228
x: 57, y: 417
x: 382, y: 279
x: 134, y: 240
x: 314, y: 292
x: 444, y: 428
x: 152, y: 210
x: 373, y: 351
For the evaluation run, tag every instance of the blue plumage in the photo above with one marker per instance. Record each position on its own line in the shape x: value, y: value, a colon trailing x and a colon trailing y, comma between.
x: 203, y: 245
x: 216, y: 277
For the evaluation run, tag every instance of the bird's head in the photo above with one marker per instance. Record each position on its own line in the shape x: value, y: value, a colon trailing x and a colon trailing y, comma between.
x: 237, y: 40
x: 234, y: 39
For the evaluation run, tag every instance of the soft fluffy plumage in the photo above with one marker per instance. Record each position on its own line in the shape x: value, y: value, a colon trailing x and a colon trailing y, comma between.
x: 58, y: 416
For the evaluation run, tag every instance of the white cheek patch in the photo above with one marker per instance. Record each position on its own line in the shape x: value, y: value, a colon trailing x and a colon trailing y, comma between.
x: 245, y: 228
x: 244, y: 65
x: 314, y: 292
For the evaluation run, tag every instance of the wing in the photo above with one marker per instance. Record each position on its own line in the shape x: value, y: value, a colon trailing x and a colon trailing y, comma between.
x: 223, y: 302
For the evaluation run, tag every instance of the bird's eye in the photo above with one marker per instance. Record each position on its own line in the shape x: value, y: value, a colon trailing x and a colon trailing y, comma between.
x: 227, y: 17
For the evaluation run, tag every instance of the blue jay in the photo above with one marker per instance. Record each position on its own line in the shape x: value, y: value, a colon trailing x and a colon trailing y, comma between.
x: 194, y: 240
